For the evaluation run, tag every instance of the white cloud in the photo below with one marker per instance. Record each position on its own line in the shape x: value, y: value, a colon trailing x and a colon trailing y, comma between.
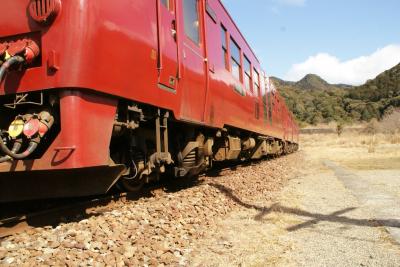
x: 291, y: 2
x: 355, y: 71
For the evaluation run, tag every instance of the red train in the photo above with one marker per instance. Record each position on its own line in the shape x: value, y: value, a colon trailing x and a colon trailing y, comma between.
x: 95, y: 93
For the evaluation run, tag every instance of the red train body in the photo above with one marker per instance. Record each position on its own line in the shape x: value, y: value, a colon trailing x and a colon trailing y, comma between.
x: 135, y: 89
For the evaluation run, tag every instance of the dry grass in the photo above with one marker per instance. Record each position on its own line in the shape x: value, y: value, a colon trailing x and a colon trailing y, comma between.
x: 390, y: 123
x: 356, y: 149
x: 350, y: 139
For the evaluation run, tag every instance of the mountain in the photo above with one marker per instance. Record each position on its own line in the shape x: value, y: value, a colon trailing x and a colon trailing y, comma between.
x: 313, y: 100
x: 385, y: 86
x: 344, y: 86
x: 279, y: 82
x: 313, y: 82
x: 309, y: 82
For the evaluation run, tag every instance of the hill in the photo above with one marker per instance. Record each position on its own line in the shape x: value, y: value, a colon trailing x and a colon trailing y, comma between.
x: 309, y: 82
x: 313, y: 82
x: 313, y: 100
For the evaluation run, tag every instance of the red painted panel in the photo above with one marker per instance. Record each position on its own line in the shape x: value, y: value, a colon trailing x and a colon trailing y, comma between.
x: 194, y: 75
x: 86, y: 127
x: 112, y: 47
x: 168, y: 50
x: 108, y: 46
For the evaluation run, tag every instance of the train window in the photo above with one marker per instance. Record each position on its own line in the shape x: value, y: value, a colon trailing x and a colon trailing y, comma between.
x: 236, y: 67
x: 191, y: 17
x: 247, y: 73
x: 211, y: 12
x: 262, y: 85
x: 224, y: 38
x: 256, y: 79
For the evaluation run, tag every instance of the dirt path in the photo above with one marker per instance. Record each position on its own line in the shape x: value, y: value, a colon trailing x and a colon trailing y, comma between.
x: 377, y: 190
x: 324, y: 217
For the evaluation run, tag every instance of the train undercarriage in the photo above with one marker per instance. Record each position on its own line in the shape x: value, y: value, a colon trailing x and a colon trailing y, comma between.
x: 146, y: 142
x: 158, y: 145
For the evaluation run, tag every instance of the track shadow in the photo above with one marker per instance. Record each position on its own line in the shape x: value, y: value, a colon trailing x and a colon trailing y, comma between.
x: 315, y: 218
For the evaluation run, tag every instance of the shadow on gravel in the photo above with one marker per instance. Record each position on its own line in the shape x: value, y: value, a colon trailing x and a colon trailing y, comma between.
x: 16, y: 217
x: 219, y: 167
x: 315, y: 218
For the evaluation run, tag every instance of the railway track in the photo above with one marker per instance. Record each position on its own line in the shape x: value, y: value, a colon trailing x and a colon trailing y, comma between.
x: 69, y: 210
x: 19, y: 217
x: 64, y: 211
x: 163, y: 225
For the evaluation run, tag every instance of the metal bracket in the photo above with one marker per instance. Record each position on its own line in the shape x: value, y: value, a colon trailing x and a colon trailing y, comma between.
x: 21, y: 99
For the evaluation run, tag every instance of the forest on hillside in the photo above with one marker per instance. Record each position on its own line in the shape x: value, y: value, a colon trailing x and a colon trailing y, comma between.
x: 312, y: 100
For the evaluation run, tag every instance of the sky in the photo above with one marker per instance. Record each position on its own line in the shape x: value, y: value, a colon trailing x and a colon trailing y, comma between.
x: 343, y: 41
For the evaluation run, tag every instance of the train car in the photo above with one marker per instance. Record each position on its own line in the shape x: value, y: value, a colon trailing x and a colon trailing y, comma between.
x: 99, y: 93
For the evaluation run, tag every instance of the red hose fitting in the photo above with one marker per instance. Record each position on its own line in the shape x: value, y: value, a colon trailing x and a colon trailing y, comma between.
x: 26, y: 48
x: 32, y: 50
x: 46, y: 122
x: 3, y: 49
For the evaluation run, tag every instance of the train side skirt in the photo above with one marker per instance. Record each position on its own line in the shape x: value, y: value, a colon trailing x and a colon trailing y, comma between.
x: 28, y: 185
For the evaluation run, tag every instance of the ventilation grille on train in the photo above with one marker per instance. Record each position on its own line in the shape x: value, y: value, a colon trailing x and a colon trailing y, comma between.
x: 44, y: 10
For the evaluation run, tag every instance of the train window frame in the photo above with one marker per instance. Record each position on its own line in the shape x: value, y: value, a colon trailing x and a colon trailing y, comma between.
x: 256, y: 82
x: 192, y: 27
x: 262, y: 84
x: 236, y: 63
x: 248, y: 80
x: 211, y: 13
x: 225, y: 47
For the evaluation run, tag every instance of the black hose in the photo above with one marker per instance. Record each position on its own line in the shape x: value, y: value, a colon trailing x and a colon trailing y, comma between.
x: 5, y: 159
x: 10, y: 62
x: 31, y: 148
x: 17, y: 146
x: 13, y: 154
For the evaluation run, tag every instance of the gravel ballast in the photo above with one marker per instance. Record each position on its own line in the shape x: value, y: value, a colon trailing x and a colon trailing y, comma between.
x: 158, y: 230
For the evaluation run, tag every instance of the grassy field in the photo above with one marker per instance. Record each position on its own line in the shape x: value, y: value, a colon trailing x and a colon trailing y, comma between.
x: 356, y: 149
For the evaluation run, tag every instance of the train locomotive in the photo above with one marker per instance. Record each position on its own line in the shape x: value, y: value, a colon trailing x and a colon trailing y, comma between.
x: 100, y: 93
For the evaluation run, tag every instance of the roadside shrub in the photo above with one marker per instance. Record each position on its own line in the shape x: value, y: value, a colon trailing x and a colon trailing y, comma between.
x: 339, y: 128
x: 391, y: 123
x: 372, y: 127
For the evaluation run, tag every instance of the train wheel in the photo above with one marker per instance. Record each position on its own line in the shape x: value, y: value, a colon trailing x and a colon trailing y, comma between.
x: 136, y: 177
x: 131, y: 185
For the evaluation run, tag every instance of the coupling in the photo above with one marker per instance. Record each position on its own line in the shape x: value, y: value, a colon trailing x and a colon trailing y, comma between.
x: 31, y: 128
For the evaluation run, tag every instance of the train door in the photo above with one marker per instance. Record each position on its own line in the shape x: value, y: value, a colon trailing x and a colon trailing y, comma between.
x: 168, y: 50
x: 194, y: 63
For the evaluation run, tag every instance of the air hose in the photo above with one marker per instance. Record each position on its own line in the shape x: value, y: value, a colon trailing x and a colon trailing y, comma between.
x: 33, y: 144
x: 14, y: 152
x: 9, y: 63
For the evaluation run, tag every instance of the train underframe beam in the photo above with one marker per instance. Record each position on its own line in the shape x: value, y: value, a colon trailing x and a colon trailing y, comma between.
x: 159, y: 144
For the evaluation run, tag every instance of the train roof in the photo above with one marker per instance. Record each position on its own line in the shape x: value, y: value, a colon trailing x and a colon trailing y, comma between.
x: 237, y: 28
